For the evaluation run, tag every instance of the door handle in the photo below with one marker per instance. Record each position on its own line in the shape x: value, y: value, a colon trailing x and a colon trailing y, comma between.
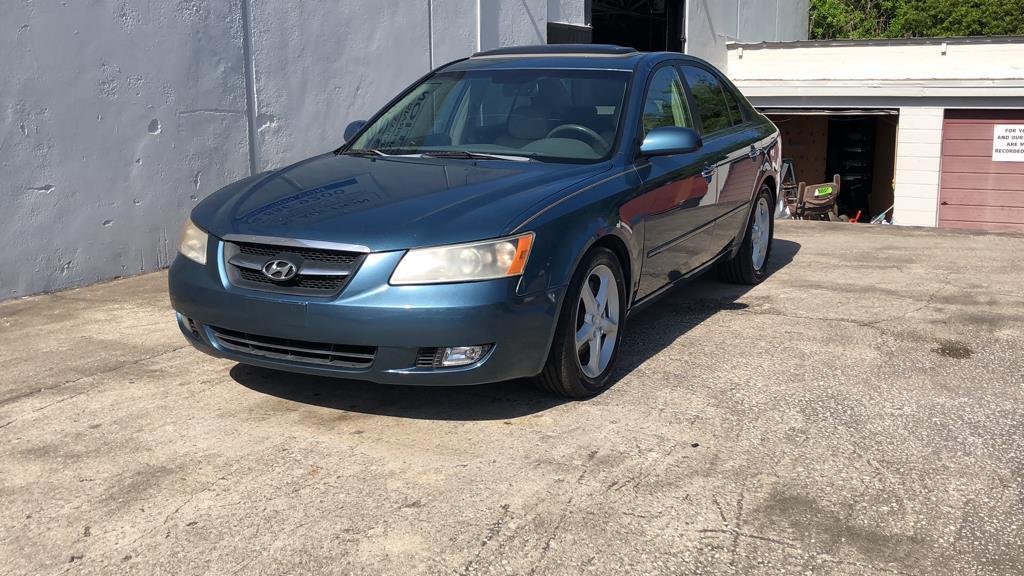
x: 708, y: 172
x: 754, y: 153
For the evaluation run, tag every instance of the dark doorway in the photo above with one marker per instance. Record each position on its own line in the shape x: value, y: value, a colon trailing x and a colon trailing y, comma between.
x: 647, y: 25
x: 851, y: 154
x: 559, y: 33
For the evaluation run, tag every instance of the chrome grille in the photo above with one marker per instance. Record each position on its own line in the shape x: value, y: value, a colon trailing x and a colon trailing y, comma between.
x: 323, y: 273
x: 329, y: 284
x: 313, y: 254
x: 340, y: 355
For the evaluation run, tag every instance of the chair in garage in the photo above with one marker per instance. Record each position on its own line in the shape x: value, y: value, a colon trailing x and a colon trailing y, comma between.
x: 817, y: 201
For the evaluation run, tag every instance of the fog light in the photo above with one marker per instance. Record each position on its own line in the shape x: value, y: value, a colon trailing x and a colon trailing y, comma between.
x: 188, y: 323
x: 463, y: 355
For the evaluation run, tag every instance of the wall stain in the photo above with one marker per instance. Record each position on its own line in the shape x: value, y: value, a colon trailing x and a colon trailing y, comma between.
x: 126, y: 16
x: 135, y: 83
x: 264, y: 121
x: 190, y: 11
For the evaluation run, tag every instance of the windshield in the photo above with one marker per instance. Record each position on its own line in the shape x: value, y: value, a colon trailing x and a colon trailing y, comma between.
x: 569, y: 115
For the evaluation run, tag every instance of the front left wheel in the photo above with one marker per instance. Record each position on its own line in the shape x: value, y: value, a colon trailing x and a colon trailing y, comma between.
x: 589, y: 331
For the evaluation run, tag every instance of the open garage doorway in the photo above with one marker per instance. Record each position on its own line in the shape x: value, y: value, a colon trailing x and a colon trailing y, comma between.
x: 859, y: 145
x: 647, y: 25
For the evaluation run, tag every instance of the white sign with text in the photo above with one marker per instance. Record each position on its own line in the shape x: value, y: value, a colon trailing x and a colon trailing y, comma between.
x: 1008, y: 143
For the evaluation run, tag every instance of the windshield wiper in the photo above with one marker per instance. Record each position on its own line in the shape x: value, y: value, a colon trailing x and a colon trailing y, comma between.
x: 474, y: 155
x: 465, y: 154
x: 366, y: 152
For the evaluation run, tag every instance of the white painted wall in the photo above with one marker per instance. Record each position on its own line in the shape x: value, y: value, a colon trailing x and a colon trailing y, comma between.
x: 117, y: 116
x: 924, y: 68
x: 899, y: 60
x: 712, y: 24
x: 918, y: 155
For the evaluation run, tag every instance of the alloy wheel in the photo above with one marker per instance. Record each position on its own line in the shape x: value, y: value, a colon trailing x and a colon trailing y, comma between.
x: 759, y: 233
x: 597, y: 321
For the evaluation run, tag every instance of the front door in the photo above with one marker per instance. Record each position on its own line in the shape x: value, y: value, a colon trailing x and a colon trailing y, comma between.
x: 679, y: 191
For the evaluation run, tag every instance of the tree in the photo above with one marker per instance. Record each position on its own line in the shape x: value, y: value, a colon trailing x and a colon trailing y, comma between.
x: 915, y: 18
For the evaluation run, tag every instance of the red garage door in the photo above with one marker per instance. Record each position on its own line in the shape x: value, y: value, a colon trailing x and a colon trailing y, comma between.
x: 975, y: 191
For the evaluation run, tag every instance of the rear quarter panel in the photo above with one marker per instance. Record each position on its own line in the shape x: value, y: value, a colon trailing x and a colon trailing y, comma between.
x: 750, y: 177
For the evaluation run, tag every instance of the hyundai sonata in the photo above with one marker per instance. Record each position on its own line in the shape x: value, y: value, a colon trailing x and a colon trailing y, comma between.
x: 498, y: 219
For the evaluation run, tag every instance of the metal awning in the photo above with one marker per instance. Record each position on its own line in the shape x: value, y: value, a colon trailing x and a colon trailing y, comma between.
x: 830, y: 111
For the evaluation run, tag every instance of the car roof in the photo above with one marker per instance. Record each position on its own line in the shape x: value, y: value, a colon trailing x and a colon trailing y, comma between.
x: 595, y: 49
x: 568, y: 56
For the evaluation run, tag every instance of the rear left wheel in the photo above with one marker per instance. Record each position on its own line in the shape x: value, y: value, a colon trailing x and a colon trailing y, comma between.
x: 750, y: 265
x: 589, y: 330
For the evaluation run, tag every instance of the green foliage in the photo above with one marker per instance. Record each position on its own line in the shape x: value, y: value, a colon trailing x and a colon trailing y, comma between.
x: 915, y: 18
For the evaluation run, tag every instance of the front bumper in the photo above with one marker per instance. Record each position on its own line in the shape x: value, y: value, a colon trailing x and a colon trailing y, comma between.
x: 398, y: 321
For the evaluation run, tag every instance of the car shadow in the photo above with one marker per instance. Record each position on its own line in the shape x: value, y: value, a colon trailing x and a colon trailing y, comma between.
x: 653, y: 327
x: 650, y: 330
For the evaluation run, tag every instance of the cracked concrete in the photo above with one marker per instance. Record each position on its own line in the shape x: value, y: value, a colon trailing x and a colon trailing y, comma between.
x: 861, y: 412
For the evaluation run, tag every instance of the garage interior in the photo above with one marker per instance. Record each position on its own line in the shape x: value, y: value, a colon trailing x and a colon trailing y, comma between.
x: 859, y: 145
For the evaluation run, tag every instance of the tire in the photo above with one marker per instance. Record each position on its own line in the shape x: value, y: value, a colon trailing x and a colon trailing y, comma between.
x: 571, y: 371
x: 746, y: 267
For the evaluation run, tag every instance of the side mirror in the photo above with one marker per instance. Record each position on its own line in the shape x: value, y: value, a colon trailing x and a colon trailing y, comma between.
x: 353, y: 128
x: 669, y: 140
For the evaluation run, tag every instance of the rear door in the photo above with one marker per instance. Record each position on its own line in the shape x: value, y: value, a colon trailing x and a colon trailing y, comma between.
x: 678, y: 199
x: 732, y: 146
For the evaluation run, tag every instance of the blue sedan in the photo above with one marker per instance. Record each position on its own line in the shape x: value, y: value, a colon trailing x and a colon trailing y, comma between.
x: 499, y: 219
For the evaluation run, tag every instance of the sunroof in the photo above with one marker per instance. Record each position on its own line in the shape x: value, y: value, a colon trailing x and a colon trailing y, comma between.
x: 542, y: 49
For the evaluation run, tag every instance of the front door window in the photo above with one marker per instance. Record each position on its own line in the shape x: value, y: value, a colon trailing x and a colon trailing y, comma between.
x: 665, y: 104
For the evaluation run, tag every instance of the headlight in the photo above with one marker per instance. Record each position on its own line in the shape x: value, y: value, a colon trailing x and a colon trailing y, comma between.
x: 465, y: 262
x: 193, y: 242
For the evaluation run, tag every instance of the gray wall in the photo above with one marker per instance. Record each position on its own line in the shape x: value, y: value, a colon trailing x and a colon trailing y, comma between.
x: 568, y: 12
x: 711, y: 24
x: 116, y: 117
x: 119, y: 115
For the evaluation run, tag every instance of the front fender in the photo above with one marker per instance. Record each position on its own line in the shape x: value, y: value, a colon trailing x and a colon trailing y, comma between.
x: 565, y: 230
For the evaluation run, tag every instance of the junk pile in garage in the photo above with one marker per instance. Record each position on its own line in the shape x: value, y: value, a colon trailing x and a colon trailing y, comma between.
x: 838, y: 165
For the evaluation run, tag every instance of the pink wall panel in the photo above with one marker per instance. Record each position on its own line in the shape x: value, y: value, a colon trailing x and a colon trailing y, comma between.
x: 975, y: 192
x: 979, y: 165
x: 982, y: 181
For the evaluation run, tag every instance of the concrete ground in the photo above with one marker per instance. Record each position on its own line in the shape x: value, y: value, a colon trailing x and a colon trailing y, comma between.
x: 860, y: 412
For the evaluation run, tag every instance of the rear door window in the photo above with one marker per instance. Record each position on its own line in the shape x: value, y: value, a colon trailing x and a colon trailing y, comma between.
x: 735, y: 113
x: 718, y: 108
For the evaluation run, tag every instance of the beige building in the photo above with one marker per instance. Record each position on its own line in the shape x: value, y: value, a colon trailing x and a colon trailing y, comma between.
x: 928, y: 126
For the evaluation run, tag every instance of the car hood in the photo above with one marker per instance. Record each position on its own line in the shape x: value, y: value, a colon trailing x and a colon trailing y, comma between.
x: 386, y: 203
